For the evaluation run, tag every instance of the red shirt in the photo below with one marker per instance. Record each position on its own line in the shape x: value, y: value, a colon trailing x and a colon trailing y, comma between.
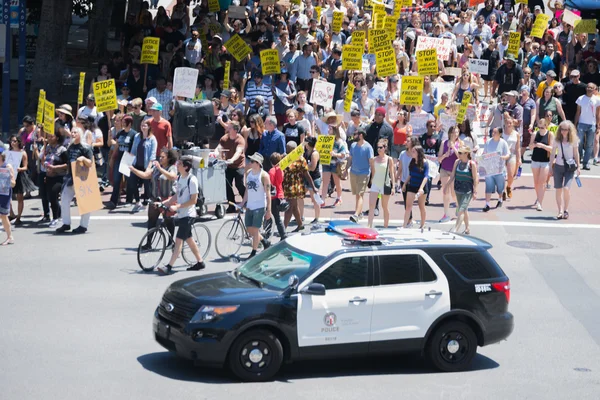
x: 399, y: 134
x: 162, y: 132
x: 276, y: 176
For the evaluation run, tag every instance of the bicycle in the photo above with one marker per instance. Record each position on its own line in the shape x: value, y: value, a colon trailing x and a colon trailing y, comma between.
x: 153, y: 245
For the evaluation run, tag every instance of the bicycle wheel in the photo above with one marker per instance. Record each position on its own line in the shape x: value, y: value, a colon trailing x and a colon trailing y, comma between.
x: 151, y: 249
x: 202, y: 237
x: 230, y: 238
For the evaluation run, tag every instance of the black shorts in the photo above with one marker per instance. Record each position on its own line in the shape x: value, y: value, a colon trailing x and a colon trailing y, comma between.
x: 184, y: 227
x: 415, y: 189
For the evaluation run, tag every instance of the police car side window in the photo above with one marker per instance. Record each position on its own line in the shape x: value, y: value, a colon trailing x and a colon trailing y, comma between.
x: 345, y: 273
x: 396, y: 269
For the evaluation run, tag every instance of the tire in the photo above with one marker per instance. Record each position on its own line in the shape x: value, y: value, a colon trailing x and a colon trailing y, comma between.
x: 442, y: 351
x: 148, y: 259
x: 256, y: 356
x: 230, y: 238
x: 203, y: 239
x: 220, y: 211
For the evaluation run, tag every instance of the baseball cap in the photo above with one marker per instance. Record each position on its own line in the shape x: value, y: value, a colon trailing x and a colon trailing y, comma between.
x: 151, y: 100
x: 537, y: 8
x: 551, y: 74
x: 575, y: 72
x: 226, y: 93
x: 156, y: 106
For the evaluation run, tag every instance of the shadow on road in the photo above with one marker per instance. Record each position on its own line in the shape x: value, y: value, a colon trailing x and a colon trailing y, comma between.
x: 170, y: 366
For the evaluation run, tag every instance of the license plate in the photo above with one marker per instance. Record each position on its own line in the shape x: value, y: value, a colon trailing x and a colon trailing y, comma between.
x: 163, y: 330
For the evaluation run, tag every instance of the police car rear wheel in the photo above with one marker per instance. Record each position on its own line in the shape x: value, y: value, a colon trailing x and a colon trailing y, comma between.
x: 256, y: 356
x: 452, y: 346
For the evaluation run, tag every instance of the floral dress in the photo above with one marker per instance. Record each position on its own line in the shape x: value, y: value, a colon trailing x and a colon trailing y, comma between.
x: 293, y: 179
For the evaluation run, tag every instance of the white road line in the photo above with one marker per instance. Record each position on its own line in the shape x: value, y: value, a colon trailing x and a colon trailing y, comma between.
x: 581, y: 176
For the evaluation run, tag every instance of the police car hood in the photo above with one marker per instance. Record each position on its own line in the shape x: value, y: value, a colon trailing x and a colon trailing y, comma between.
x: 221, y: 288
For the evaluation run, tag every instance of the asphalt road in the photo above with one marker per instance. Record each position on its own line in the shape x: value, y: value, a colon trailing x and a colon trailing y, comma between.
x: 77, y: 313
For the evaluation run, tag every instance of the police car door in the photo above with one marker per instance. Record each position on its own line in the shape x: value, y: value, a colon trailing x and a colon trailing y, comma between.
x: 412, y: 293
x: 343, y: 314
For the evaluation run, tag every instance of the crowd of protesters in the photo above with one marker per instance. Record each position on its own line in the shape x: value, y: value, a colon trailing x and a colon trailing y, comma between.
x: 542, y: 102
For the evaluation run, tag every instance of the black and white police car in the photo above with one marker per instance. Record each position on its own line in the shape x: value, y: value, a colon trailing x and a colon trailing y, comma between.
x: 345, y: 291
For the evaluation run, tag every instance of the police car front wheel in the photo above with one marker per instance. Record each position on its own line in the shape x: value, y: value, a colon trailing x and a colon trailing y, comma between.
x: 452, y: 346
x: 256, y: 355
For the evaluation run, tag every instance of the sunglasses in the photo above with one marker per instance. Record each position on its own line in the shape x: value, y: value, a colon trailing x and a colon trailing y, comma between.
x: 380, y: 147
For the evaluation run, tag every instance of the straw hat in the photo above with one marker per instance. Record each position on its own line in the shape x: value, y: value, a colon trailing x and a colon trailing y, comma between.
x: 331, y: 114
x: 65, y: 109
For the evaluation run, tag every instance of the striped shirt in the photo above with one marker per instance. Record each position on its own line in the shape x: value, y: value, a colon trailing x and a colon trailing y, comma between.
x: 417, y: 174
x: 263, y: 90
x: 165, y: 99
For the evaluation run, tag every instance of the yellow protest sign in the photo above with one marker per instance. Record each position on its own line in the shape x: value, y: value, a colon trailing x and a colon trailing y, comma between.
x: 386, y: 62
x: 48, y: 117
x: 213, y: 6
x: 348, y: 97
x: 378, y: 40
x: 40, y: 108
x: 407, y: 3
x: 378, y: 19
x: 539, y: 26
x: 379, y: 8
x: 390, y: 25
x: 324, y: 146
x: 397, y: 9
x: 297, y: 2
x: 411, y: 90
x: 105, y: 93
x: 318, y: 11
x: 338, y: 18
x: 85, y: 185
x: 359, y: 37
x: 291, y: 157
x: 585, y: 26
x: 519, y: 1
x: 269, y: 60
x: 150, y: 50
x: 81, y: 88
x: 226, y: 74
x: 462, y: 110
x: 352, y: 57
x: 427, y: 62
x: 514, y: 43
x: 237, y: 47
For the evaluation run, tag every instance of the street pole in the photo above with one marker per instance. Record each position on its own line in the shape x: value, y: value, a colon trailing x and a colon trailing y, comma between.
x: 22, y: 59
x: 6, y: 71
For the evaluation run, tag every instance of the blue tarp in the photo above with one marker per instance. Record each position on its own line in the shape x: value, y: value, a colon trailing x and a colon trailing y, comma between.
x: 584, y: 4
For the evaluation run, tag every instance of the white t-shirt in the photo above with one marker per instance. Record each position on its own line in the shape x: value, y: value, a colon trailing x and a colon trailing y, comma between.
x: 588, y: 109
x: 257, y: 197
x: 186, y: 187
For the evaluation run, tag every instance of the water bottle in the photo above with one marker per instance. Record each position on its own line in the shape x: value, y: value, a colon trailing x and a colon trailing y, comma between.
x: 519, y: 171
x: 578, y: 181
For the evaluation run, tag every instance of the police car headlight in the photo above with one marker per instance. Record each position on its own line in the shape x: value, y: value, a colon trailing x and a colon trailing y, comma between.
x: 209, y: 313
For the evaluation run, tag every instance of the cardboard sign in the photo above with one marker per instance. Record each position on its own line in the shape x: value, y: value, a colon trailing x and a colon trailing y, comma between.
x: 570, y: 17
x: 150, y: 50
x: 490, y: 164
x: 105, y: 93
x: 184, y: 82
x: 386, y: 62
x: 378, y: 40
x: 419, y: 123
x: 213, y: 6
x: 81, y: 88
x: 352, y: 57
x: 126, y: 162
x: 348, y: 97
x: 85, y: 184
x: 269, y: 60
x: 236, y: 12
x: 378, y: 20
x: 411, y: 90
x: 477, y: 66
x: 407, y: 3
x: 324, y: 146
x: 390, y: 24
x: 585, y: 26
x: 39, y: 118
x: 322, y: 93
x: 453, y: 71
x: 514, y: 43
x: 427, y: 62
x: 359, y: 37
x: 14, y: 158
x: 539, y: 26
x: 318, y: 14
x: 291, y: 157
x: 48, y: 117
x: 226, y: 75
x: 398, y: 9
x: 462, y: 110
x: 237, y: 47
x: 4, y: 181
x: 338, y: 18
x: 379, y: 8
x: 366, y: 66
x: 443, y: 46
x: 447, y: 121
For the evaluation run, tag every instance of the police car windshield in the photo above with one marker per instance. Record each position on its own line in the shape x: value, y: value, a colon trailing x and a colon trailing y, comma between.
x: 274, y: 266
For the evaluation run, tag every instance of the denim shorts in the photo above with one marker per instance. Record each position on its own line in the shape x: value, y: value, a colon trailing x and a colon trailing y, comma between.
x: 317, y: 182
x: 254, y: 218
x: 539, y: 164
x: 494, y: 183
x: 330, y: 168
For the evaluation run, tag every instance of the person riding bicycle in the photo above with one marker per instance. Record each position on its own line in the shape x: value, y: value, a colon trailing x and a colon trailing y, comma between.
x: 163, y: 174
x: 184, y: 203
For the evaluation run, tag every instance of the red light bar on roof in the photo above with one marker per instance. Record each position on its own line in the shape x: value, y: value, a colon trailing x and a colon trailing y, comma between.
x: 361, y: 233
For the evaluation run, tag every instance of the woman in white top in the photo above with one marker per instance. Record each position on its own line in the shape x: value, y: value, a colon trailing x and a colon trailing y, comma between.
x: 366, y: 106
x: 564, y: 151
x: 513, y: 138
x: 392, y: 98
x: 382, y: 182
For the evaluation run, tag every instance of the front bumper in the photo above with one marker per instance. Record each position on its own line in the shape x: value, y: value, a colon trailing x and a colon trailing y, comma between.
x: 498, y: 328
x: 206, y: 351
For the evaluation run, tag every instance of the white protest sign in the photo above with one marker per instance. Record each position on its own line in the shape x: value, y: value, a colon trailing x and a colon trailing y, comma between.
x: 447, y: 120
x: 443, y: 46
x: 490, y: 164
x: 442, y: 87
x: 184, y: 82
x: 4, y: 181
x: 419, y: 123
x: 471, y: 112
x: 13, y: 158
x: 570, y: 17
x: 477, y: 66
x: 126, y: 162
x: 434, y: 166
x: 238, y: 12
x: 322, y: 93
x: 366, y: 67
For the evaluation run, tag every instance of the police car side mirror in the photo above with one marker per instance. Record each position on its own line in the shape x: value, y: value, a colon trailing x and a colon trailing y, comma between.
x: 315, y: 289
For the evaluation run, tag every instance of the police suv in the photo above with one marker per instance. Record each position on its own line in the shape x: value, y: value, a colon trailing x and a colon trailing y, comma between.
x: 345, y: 291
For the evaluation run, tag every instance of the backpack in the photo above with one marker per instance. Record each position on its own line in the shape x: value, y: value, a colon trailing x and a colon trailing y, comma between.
x: 201, y: 199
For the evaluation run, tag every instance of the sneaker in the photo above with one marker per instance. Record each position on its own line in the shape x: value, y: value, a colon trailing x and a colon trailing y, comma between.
x: 53, y: 223
x: 110, y: 205
x: 509, y: 192
x: 45, y: 219
x: 503, y: 196
x: 410, y: 224
x: 315, y: 221
x: 337, y: 203
x: 354, y: 218
x: 79, y: 230
x: 298, y: 229
x: 376, y: 212
x: 439, y: 185
x: 137, y: 208
x: 596, y: 161
x: 426, y: 202
x: 586, y: 167
x: 63, y: 229
x: 252, y: 254
x: 539, y: 207
x: 266, y: 244
x: 445, y: 218
x: 548, y: 186
x: 18, y: 222
x: 165, y: 270
x: 147, y: 247
x: 486, y: 208
x: 499, y: 204
x: 197, y: 267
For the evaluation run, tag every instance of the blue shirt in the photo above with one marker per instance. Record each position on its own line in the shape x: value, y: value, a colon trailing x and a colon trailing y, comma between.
x: 416, y: 174
x: 272, y: 142
x: 301, y: 67
x: 361, y: 155
x: 150, y: 144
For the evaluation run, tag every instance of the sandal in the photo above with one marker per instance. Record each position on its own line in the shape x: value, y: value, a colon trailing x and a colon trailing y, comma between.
x: 559, y: 216
x: 566, y: 215
x: 467, y: 232
x: 8, y: 241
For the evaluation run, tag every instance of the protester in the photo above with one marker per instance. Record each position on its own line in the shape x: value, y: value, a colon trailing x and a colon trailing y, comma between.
x: 447, y: 156
x: 5, y: 199
x: 565, y: 158
x: 144, y: 151
x: 416, y: 185
x: 540, y: 145
x: 361, y: 154
x: 587, y: 120
x: 464, y: 177
x: 257, y: 201
x: 494, y: 182
x: 122, y: 142
x: 314, y: 170
x: 382, y: 182
x: 50, y: 157
x: 23, y: 182
x: 277, y: 197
